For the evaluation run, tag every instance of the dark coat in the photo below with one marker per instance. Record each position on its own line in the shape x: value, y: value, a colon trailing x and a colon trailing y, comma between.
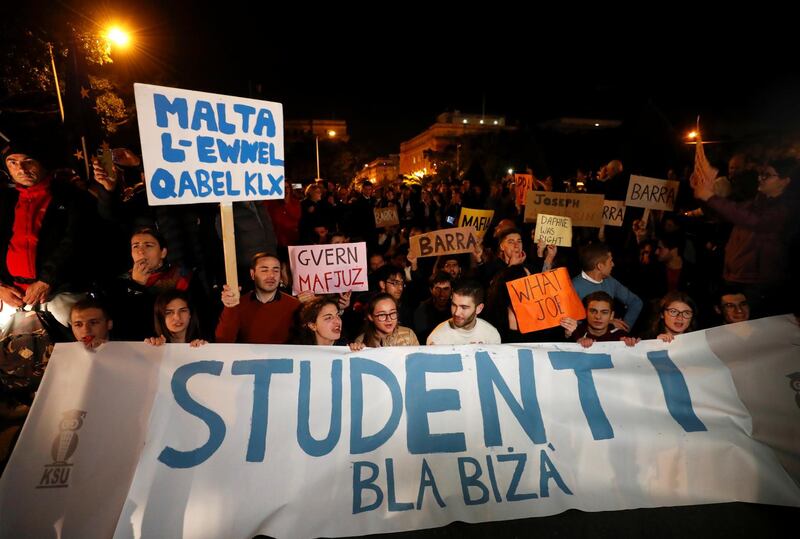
x: 62, y: 249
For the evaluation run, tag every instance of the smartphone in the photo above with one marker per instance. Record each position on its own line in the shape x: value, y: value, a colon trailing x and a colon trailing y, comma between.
x: 297, y: 186
x: 107, y: 162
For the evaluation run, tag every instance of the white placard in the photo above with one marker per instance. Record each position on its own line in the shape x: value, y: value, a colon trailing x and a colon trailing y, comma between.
x: 201, y: 147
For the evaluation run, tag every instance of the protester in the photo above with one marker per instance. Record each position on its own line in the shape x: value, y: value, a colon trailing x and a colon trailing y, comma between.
x: 756, y: 255
x: 732, y: 306
x: 464, y: 327
x: 175, y: 321
x: 382, y: 327
x: 597, y: 326
x: 677, y: 314
x: 42, y: 224
x: 264, y: 315
x: 436, y: 309
x: 133, y: 294
x: 391, y: 280
x: 90, y: 322
x: 320, y: 324
x: 597, y: 263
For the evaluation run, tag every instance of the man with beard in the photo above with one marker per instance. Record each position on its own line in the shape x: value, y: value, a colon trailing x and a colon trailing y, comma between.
x: 465, y: 327
x: 263, y: 316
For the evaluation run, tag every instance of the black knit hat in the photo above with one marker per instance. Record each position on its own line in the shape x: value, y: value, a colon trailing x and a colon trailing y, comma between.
x: 46, y: 152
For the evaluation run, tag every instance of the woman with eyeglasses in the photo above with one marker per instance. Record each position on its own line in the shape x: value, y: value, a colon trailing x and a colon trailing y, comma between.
x: 677, y: 314
x: 382, y: 327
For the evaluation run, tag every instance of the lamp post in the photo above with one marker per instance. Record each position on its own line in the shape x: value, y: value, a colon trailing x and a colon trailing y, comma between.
x: 118, y: 37
x: 114, y: 35
x: 331, y: 134
x: 55, y: 81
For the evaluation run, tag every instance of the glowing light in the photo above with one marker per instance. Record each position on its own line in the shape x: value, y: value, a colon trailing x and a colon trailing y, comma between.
x: 118, y: 36
x: 692, y: 135
x: 511, y: 171
x: 331, y: 133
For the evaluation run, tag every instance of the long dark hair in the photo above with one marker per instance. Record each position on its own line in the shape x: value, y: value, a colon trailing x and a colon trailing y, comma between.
x: 159, y: 308
x: 308, y: 315
x: 370, y: 333
x: 659, y: 327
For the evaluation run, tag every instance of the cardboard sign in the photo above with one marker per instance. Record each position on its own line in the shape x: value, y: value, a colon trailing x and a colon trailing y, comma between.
x: 480, y: 220
x: 328, y: 269
x: 652, y: 193
x: 447, y: 241
x: 386, y: 217
x: 584, y: 210
x: 524, y: 184
x: 554, y: 230
x: 201, y: 147
x: 613, y: 212
x: 541, y: 300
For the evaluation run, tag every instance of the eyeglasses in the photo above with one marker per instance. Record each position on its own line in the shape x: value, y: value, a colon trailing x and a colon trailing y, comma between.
x: 396, y: 283
x: 385, y: 317
x: 742, y: 305
x: 766, y: 176
x: 675, y: 313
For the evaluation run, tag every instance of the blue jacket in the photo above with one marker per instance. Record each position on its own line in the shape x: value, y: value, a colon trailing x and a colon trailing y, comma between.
x: 632, y: 302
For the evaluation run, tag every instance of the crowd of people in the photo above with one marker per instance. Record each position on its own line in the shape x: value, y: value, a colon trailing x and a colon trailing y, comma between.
x: 97, y: 263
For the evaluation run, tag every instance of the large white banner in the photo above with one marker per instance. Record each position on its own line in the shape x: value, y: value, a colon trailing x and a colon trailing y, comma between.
x: 308, y: 441
x: 201, y: 147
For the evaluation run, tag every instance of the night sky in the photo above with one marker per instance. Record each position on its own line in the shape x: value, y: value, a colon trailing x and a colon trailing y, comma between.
x: 389, y: 74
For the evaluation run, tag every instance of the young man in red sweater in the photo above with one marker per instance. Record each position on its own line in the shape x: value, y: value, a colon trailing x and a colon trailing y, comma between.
x: 263, y: 316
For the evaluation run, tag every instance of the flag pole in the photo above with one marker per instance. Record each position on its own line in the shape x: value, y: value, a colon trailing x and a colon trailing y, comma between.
x: 58, y: 88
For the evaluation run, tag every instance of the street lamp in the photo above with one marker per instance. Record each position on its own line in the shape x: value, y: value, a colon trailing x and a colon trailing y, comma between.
x: 118, y: 36
x: 114, y: 35
x: 331, y: 134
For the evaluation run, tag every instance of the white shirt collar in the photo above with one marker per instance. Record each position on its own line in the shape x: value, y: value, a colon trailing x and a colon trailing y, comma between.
x: 583, y: 274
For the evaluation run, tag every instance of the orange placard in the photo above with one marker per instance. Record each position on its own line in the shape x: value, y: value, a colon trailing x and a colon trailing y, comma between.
x: 541, y: 300
x: 524, y: 183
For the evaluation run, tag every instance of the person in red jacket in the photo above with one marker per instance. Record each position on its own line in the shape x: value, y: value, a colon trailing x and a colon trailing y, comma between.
x: 263, y: 316
x: 40, y: 223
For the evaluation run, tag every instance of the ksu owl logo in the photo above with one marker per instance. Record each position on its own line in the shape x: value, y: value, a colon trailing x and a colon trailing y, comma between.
x: 56, y: 474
